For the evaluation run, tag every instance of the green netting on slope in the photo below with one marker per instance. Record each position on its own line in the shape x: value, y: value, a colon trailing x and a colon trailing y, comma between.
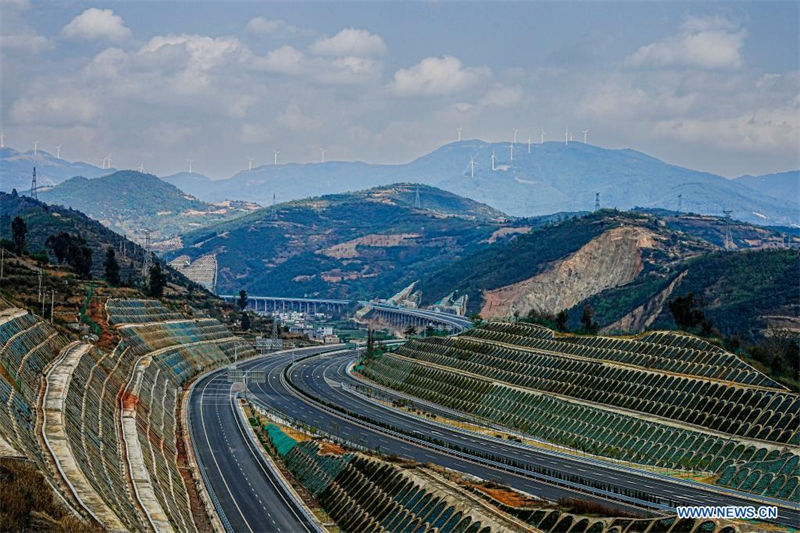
x: 314, y: 471
x: 282, y: 442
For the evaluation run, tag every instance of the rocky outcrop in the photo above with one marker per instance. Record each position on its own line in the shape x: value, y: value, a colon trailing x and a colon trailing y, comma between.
x: 643, y: 316
x: 610, y: 260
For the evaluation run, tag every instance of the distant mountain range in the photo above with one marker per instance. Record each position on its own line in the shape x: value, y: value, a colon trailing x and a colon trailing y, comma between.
x: 16, y: 169
x: 552, y: 177
x: 131, y: 202
x: 783, y: 185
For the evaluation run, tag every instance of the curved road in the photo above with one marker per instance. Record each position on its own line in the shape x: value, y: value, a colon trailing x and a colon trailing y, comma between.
x: 245, y: 491
x: 321, y: 377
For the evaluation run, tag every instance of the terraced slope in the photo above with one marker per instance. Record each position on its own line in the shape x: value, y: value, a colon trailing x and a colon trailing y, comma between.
x: 364, y: 493
x: 103, y: 425
x: 660, y: 399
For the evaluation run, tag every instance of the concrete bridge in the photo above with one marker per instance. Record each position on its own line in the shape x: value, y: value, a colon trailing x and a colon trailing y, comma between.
x: 399, y: 317
x: 281, y: 304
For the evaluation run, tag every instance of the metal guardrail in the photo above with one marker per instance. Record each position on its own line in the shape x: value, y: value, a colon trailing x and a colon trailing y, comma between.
x: 296, y: 501
x: 209, y: 489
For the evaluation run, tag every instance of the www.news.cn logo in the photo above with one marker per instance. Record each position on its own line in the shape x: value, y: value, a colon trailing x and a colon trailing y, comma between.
x: 729, y: 512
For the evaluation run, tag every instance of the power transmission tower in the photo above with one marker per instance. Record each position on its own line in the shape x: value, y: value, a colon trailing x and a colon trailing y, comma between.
x: 417, y: 203
x: 274, y: 211
x: 34, y: 188
x: 597, y: 201
x: 146, y: 265
x: 728, y: 237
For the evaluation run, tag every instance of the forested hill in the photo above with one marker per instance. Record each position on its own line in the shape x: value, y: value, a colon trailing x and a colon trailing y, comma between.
x: 356, y: 245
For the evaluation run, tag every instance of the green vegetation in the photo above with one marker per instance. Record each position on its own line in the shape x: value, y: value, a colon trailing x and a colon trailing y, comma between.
x: 18, y: 231
x: 129, y: 201
x: 111, y: 268
x: 525, y: 256
x: 292, y: 249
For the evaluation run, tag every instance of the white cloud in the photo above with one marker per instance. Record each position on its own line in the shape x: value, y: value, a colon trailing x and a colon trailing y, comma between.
x: 55, y: 110
x: 762, y: 129
x: 264, y: 26
x: 95, y: 24
x: 437, y: 76
x: 285, y: 60
x: 709, y: 43
x: 351, y: 42
x: 501, y: 96
x: 335, y: 71
x: 294, y: 119
x: 24, y: 39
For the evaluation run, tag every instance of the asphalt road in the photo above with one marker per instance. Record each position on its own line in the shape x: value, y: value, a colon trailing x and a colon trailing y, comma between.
x: 245, y: 489
x: 321, y: 375
x: 252, y: 501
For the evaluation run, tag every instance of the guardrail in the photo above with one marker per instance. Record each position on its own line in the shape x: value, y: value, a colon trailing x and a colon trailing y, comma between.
x: 420, y: 440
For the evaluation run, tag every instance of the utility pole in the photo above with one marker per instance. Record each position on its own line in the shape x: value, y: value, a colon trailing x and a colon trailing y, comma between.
x: 2, y: 261
x: 52, y: 304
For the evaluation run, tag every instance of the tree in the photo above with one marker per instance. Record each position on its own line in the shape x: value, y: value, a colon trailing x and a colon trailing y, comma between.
x: 587, y: 320
x: 561, y: 320
x: 111, y: 267
x: 687, y: 313
x: 245, y: 321
x: 158, y: 280
x: 59, y: 245
x: 410, y: 330
x: 18, y: 231
x: 80, y: 259
x: 242, y: 302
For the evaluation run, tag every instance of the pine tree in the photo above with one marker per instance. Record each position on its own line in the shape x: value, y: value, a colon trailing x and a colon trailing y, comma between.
x: 158, y: 280
x: 111, y: 268
x: 18, y: 231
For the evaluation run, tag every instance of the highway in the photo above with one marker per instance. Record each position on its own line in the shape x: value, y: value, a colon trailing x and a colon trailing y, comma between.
x: 320, y: 376
x: 246, y: 493
x: 251, y: 501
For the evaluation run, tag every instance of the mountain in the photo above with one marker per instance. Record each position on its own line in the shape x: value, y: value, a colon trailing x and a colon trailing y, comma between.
x: 16, y: 169
x: 635, y: 256
x: 783, y: 185
x: 552, y: 177
x: 364, y: 244
x: 130, y: 202
x: 186, y: 181
x: 741, y: 292
x: 44, y: 220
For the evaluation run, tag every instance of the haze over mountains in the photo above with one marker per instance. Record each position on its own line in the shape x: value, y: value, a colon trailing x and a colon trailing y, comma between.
x: 553, y: 177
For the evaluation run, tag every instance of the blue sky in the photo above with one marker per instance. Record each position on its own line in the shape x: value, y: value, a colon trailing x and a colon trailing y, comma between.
x: 712, y: 85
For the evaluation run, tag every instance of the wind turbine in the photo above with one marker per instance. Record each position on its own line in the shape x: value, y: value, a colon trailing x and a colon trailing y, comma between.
x: 529, y: 144
x: 141, y: 167
x: 515, y: 135
x: 585, y: 136
x: 58, y: 152
x: 511, y: 150
x: 322, y: 155
x: 566, y: 136
x: 190, y: 161
x: 471, y: 167
x: 2, y: 139
x: 275, y: 157
x: 541, y: 137
x: 459, y: 134
x: 35, y: 147
x: 249, y: 164
x: 109, y: 161
x: 493, y: 158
